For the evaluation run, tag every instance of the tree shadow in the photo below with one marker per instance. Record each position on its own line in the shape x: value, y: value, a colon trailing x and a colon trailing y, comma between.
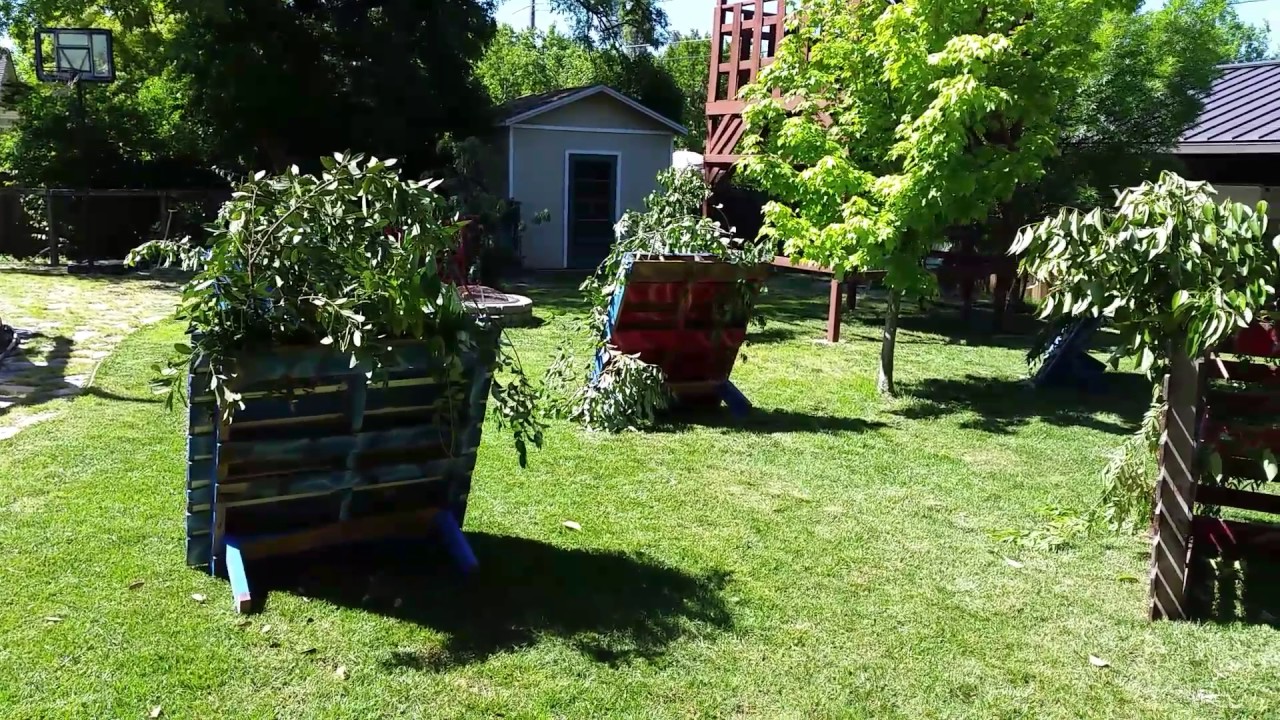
x: 171, y: 278
x: 612, y: 607
x: 761, y: 420
x: 1002, y: 405
x: 775, y: 332
x: 53, y: 381
x: 1243, y: 587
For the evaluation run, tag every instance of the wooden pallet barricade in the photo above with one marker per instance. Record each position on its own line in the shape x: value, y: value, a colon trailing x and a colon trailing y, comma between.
x: 685, y: 314
x: 1230, y: 405
x: 321, y: 455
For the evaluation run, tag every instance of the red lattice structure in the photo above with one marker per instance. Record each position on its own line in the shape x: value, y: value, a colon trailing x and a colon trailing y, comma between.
x: 744, y: 39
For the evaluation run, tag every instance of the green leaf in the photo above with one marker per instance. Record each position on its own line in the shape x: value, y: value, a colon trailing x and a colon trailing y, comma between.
x: 1269, y: 465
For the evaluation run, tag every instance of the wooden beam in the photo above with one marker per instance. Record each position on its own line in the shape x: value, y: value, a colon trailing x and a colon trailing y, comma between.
x: 1234, y: 498
x: 833, y: 312
x: 1176, y: 489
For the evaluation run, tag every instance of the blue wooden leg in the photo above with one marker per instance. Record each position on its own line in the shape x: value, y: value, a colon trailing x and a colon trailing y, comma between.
x: 738, y: 403
x: 241, y: 600
x: 456, y: 543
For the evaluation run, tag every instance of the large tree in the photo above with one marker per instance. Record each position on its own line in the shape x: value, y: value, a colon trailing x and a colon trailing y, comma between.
x: 687, y: 59
x: 901, y: 119
x: 244, y: 84
x: 519, y: 63
x: 1147, y: 77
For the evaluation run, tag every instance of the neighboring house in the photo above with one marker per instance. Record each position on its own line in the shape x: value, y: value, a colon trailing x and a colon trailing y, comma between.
x: 11, y: 90
x: 1235, y: 143
x: 584, y: 155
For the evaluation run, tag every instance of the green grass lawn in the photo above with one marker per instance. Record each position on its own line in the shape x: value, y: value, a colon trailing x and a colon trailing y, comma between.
x: 830, y: 556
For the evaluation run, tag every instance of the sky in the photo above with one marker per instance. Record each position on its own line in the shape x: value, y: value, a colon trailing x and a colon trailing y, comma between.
x: 696, y: 14
x: 685, y: 15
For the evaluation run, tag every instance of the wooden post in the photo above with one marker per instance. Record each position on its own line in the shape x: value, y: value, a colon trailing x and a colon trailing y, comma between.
x: 1175, y: 489
x: 853, y: 292
x: 52, y: 231
x: 833, y: 312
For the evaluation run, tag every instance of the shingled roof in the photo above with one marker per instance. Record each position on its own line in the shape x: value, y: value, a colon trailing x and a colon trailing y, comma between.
x: 530, y: 106
x: 1241, y: 113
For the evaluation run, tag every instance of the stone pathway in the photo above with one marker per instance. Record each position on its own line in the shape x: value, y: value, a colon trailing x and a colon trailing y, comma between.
x: 67, y: 325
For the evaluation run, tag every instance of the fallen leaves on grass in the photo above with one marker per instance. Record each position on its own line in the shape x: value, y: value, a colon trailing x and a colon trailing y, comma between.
x: 1013, y: 563
x: 572, y: 525
x: 1096, y: 661
x: 52, y: 619
x: 341, y: 672
x: 156, y: 712
x: 198, y: 597
x: 137, y: 584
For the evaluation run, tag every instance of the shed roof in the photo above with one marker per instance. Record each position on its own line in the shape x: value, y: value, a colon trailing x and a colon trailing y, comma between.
x: 1241, y: 113
x: 530, y: 106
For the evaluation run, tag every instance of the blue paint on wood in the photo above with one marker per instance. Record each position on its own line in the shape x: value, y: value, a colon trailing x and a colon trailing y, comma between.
x: 1067, y: 362
x: 240, y: 596
x: 615, y: 306
x: 738, y: 403
x: 464, y: 558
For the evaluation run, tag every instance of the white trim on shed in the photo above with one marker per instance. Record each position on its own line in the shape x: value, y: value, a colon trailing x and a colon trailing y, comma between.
x: 597, y: 90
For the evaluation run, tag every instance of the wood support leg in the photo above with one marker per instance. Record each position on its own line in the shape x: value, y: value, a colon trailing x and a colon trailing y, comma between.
x: 456, y: 543
x: 833, y: 313
x: 241, y: 598
x: 738, y: 403
x: 853, y: 294
x: 1175, y: 490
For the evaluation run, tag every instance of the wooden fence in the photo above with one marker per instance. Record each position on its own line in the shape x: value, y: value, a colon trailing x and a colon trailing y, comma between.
x: 60, y: 224
x: 1215, y: 543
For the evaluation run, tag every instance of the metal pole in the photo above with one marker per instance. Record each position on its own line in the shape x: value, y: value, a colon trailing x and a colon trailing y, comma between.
x: 53, y: 230
x: 533, y: 14
x: 85, y: 250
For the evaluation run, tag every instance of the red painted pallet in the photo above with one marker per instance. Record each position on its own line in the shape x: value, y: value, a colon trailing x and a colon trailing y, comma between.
x: 688, y: 315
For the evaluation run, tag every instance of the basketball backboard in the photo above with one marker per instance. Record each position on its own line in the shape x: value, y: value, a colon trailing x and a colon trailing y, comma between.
x: 74, y: 54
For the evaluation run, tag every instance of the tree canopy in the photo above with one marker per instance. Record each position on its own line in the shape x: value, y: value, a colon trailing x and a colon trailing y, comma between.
x: 255, y: 84
x: 901, y: 119
x: 1146, y: 80
x: 519, y: 63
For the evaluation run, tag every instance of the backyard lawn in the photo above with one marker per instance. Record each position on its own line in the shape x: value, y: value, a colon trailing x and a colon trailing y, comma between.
x: 829, y: 556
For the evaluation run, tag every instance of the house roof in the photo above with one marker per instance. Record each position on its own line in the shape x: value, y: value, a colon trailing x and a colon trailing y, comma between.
x: 1241, y: 113
x: 531, y: 106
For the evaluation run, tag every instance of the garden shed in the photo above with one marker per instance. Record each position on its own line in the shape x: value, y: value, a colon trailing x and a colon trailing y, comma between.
x: 583, y: 156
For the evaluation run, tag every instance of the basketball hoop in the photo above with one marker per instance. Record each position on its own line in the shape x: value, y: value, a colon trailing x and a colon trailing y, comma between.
x: 74, y: 55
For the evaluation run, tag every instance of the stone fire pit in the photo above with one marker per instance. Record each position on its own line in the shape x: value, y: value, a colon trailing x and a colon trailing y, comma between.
x: 507, y: 309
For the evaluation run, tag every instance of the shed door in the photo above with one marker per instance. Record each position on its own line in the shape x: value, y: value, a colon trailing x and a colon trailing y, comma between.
x: 593, y: 208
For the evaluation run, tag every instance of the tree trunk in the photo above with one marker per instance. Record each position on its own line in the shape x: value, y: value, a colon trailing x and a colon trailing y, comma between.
x: 884, y: 382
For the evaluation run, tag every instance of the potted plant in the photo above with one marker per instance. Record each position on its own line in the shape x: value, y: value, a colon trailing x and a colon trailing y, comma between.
x: 337, y: 383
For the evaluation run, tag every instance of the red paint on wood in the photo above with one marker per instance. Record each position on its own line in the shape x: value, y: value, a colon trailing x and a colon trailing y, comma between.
x: 676, y: 325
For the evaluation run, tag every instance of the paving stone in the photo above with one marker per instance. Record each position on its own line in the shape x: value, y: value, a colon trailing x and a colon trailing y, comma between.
x: 65, y: 392
x: 19, y: 390
x: 77, y: 380
x: 82, y: 335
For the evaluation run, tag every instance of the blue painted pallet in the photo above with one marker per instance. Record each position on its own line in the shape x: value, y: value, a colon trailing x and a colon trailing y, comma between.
x: 321, y: 454
x: 1067, y: 362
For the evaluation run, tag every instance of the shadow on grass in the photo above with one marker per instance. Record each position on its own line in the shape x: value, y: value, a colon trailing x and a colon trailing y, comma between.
x: 762, y: 420
x: 1003, y: 405
x: 1240, y: 588
x: 169, y: 277
x: 612, y: 607
x: 50, y: 381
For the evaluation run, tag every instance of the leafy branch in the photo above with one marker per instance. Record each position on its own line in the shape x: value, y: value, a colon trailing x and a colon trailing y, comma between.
x: 350, y: 258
